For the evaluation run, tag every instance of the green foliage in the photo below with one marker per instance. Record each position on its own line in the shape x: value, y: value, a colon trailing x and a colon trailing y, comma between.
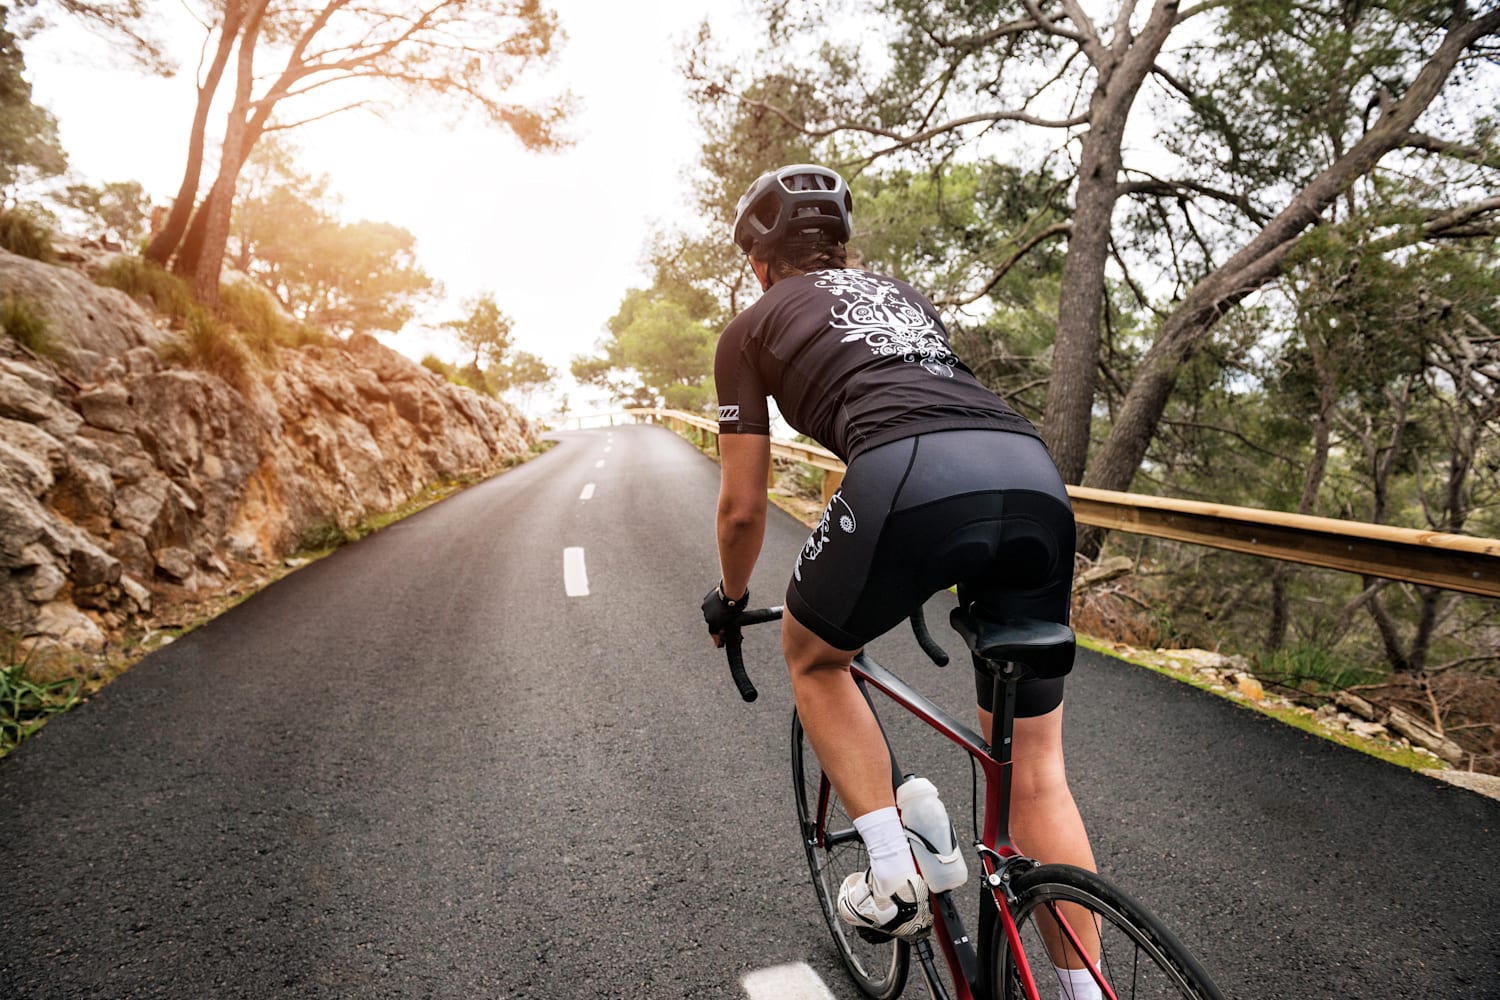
x: 484, y: 333
x: 519, y: 377
x: 658, y: 351
x: 147, y: 283
x: 347, y: 277
x: 21, y: 233
x: 29, y: 145
x: 257, y: 317
x: 212, y: 346
x: 26, y: 324
x: 325, y: 536
x: 1314, y: 668
x: 119, y: 209
x: 26, y: 705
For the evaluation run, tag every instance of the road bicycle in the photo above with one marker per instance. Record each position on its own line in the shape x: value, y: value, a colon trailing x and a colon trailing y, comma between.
x: 1033, y: 917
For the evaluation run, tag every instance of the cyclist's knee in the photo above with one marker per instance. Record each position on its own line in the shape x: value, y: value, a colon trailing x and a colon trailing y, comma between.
x: 806, y: 652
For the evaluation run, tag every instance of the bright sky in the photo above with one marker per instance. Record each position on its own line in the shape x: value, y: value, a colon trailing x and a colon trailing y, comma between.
x: 557, y: 238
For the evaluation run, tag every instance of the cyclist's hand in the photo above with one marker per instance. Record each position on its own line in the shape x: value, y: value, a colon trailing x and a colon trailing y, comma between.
x: 721, y: 612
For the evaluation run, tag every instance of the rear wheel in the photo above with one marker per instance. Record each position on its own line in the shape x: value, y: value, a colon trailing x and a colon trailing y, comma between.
x: 1090, y: 923
x: 834, y: 850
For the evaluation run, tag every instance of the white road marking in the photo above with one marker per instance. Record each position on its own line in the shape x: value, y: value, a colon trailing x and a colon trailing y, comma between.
x: 588, y: 492
x: 575, y: 577
x: 599, y: 464
x: 795, y: 981
x: 607, y: 447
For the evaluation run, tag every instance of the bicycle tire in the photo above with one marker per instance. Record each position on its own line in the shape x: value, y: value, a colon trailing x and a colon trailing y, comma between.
x: 834, y: 850
x: 1139, y: 957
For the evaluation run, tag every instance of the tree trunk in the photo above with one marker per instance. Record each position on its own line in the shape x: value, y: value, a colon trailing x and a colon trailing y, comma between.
x: 1068, y: 417
x: 1121, y: 68
x: 1257, y: 263
x: 1276, y: 630
x: 202, y: 260
x: 164, y: 241
x: 1312, y: 481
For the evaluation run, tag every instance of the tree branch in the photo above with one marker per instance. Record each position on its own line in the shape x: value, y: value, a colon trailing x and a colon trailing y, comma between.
x: 1168, y: 188
x: 1457, y: 150
x: 1056, y: 229
x: 914, y: 138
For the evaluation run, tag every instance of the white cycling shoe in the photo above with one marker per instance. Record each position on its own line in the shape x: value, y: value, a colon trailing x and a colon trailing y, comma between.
x: 905, y: 914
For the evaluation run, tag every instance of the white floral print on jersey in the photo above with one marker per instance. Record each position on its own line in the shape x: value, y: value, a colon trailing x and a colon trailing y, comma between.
x: 873, y: 310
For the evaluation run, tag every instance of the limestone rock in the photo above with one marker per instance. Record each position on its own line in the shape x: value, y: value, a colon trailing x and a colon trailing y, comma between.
x: 174, y: 562
x: 108, y: 408
x: 88, y: 322
x: 119, y: 473
x: 64, y: 623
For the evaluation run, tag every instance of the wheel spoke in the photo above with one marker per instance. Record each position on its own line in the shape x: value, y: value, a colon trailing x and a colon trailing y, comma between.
x: 1078, y: 921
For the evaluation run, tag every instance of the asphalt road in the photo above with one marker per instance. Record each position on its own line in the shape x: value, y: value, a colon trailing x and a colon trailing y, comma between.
x: 419, y: 768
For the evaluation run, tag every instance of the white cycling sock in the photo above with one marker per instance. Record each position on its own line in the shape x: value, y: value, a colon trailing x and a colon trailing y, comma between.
x: 885, y: 841
x: 1077, y: 984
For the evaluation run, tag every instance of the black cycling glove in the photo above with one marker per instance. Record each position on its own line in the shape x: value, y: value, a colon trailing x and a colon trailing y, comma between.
x: 720, y: 612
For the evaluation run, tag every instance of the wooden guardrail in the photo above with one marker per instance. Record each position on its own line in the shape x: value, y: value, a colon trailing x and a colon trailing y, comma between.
x: 1453, y: 562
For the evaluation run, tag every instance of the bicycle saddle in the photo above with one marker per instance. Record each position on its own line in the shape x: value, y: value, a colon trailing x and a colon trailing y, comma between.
x: 1045, y: 647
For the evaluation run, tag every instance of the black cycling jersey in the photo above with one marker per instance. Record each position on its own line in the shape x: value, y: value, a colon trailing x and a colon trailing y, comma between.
x: 854, y: 360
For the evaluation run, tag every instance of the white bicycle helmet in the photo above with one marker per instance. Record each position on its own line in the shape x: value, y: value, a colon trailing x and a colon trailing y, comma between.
x: 800, y: 200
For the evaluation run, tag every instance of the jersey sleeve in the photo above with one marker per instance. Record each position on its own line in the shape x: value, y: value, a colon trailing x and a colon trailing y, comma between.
x: 742, y: 393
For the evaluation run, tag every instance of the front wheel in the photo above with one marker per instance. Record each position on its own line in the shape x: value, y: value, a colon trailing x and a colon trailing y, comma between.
x: 834, y: 850
x: 1074, y: 919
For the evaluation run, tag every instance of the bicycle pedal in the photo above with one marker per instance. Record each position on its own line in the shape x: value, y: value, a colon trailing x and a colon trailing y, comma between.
x: 874, y: 936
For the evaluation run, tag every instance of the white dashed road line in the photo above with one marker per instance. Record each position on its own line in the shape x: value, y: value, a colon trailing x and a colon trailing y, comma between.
x: 575, y: 576
x: 588, y: 492
x: 599, y: 464
x: 795, y: 981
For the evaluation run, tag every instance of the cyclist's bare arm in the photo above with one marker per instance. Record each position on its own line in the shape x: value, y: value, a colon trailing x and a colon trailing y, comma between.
x: 745, y: 463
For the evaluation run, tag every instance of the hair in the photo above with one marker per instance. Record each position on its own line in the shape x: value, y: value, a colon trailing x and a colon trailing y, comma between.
x: 793, y: 258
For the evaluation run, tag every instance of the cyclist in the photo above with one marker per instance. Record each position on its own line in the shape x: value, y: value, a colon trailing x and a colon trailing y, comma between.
x: 945, y: 484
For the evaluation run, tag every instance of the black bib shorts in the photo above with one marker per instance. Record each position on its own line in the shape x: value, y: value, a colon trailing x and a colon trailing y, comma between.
x: 983, y: 509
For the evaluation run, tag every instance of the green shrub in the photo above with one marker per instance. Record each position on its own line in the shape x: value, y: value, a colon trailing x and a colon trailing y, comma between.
x: 306, y: 335
x: 22, y: 234
x: 26, y: 324
x: 209, y: 345
x: 25, y: 705
x: 256, y: 315
x: 324, y: 535
x: 147, y: 283
x: 1310, y: 667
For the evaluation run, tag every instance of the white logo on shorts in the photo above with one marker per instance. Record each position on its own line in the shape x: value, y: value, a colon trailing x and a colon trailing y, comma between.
x: 729, y: 414
x: 824, y: 531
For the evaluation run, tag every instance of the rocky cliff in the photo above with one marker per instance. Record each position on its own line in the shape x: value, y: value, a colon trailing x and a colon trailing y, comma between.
x: 123, y: 478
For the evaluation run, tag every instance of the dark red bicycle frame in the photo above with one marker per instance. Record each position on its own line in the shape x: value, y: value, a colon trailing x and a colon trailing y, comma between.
x: 996, y: 764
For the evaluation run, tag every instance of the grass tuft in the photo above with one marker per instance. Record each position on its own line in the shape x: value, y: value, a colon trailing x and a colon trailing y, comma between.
x: 209, y: 345
x: 27, y: 325
x: 1309, y: 668
x: 22, y: 234
x: 147, y: 283
x: 26, y: 705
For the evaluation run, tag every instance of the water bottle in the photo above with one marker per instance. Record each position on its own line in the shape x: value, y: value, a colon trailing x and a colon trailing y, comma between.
x: 930, y: 834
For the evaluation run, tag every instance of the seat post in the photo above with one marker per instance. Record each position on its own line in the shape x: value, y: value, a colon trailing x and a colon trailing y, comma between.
x: 1002, y: 731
